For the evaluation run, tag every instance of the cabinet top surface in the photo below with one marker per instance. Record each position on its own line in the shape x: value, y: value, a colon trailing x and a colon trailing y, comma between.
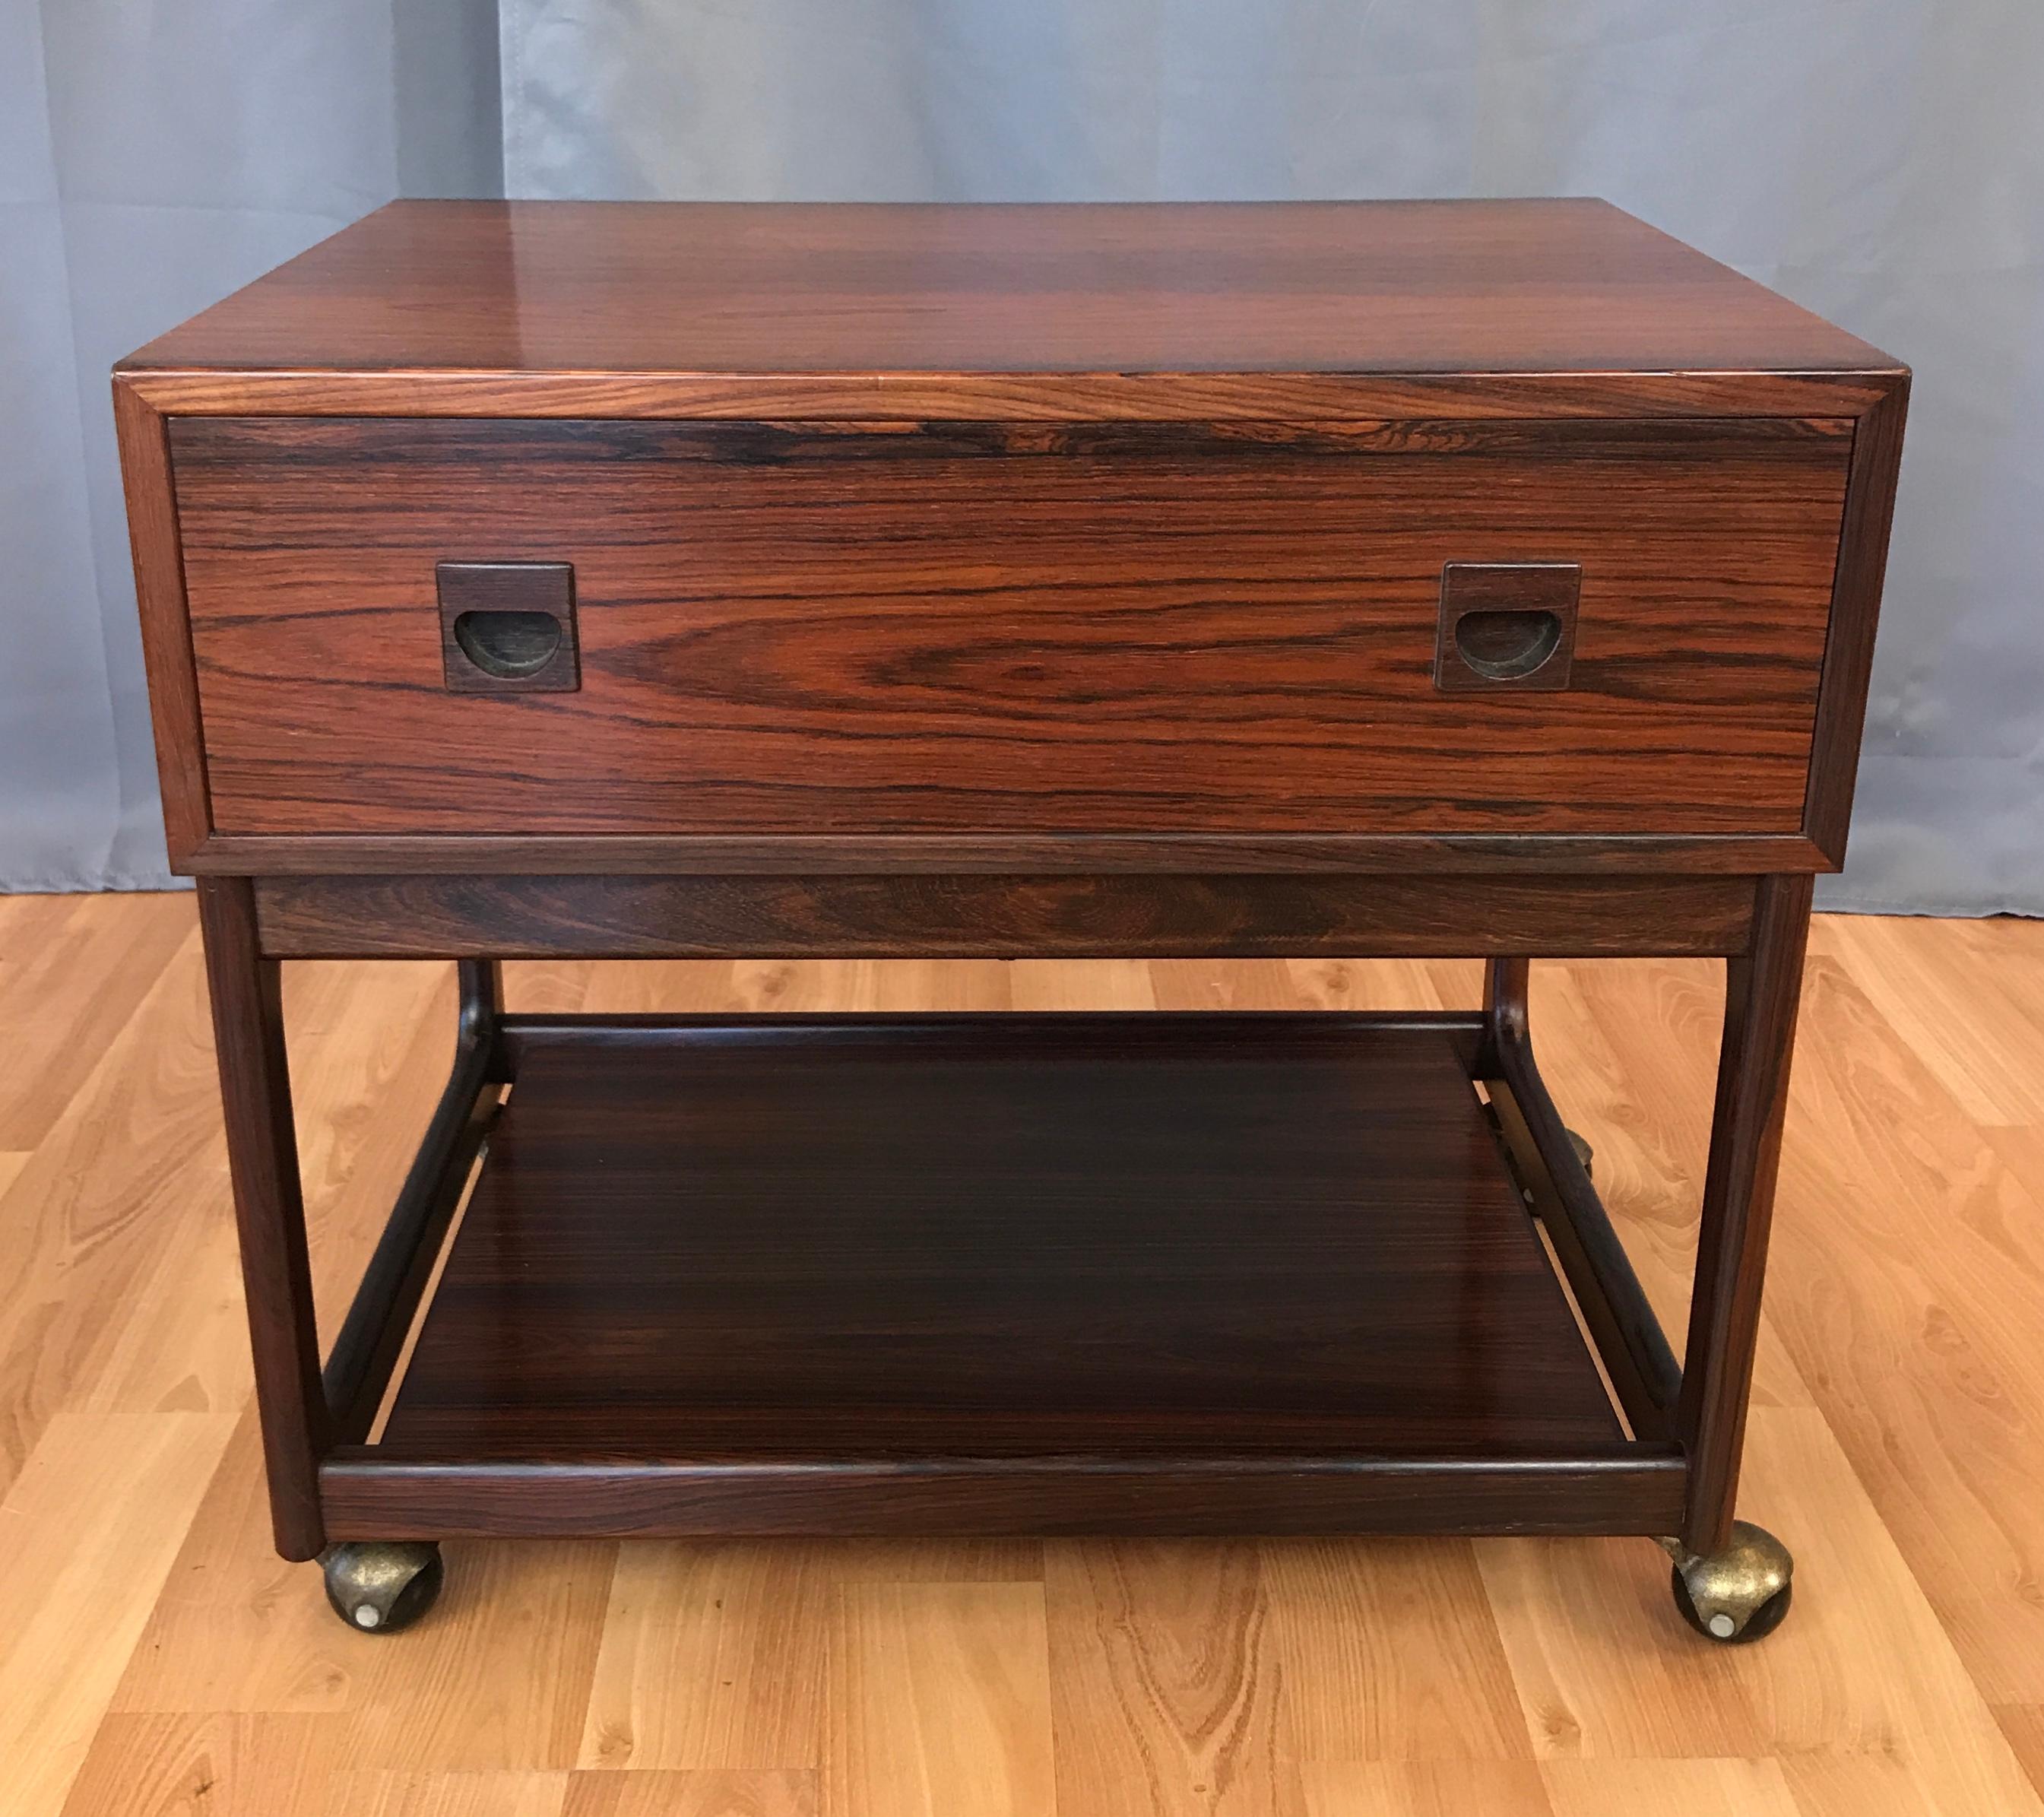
x: 1531, y: 286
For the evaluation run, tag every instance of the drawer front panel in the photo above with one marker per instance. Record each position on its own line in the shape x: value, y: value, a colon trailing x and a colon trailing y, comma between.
x: 965, y: 629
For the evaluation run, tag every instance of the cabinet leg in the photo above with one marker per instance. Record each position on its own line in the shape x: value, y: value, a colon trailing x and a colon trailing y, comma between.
x: 269, y: 1208
x: 1761, y: 989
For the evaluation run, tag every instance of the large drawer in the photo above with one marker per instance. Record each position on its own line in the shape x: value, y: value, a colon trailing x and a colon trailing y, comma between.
x: 969, y: 629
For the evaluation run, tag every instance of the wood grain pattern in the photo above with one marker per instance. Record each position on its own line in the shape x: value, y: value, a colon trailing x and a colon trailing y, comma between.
x: 736, y: 917
x: 746, y: 1626
x: 1630, y: 1340
x: 800, y: 632
x: 95, y: 1199
x: 944, y: 1700
x: 709, y: 1793
x: 639, y: 1274
x: 1511, y: 288
x: 1877, y: 467
x: 1396, y: 1626
x: 1049, y: 397
x: 399, y: 1791
x: 991, y: 853
x: 143, y: 439
x: 269, y: 1210
x: 1166, y: 1692
x: 366, y: 1493
x: 80, y: 1573
x: 65, y: 999
x: 1429, y: 1788
x: 1762, y: 991
x: 1805, y: 1698
x: 1902, y: 1322
x: 226, y: 1764
x: 441, y: 1708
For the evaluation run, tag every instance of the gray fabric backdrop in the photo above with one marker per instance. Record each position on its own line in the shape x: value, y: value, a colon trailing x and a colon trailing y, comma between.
x: 1882, y: 163
x: 152, y: 157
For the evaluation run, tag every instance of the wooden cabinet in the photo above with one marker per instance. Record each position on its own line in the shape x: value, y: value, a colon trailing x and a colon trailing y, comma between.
x: 528, y: 578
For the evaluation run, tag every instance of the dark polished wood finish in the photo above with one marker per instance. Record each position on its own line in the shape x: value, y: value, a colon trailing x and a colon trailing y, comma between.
x: 1449, y: 857
x: 1044, y: 581
x: 1006, y: 1237
x: 1642, y: 1370
x: 1417, y: 340
x: 523, y: 1037
x: 1877, y: 466
x: 269, y: 1210
x: 160, y: 593
x: 1617, y: 1489
x: 1761, y: 989
x: 999, y: 312
x: 1159, y: 916
x: 796, y: 633
x: 365, y: 1351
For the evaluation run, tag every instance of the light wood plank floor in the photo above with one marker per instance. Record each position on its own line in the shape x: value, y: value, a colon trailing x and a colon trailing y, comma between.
x: 155, y: 1658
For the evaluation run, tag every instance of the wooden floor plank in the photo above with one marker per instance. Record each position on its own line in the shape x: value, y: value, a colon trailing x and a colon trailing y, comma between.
x: 400, y: 1792
x: 1696, y: 1787
x: 156, y: 1764
x: 1164, y: 1680
x: 1921, y: 1268
x: 1405, y: 1627
x: 2023, y: 1726
x: 1630, y: 1050
x: 938, y: 1702
x: 127, y: 1175
x: 1605, y: 1670
x: 1995, y: 969
x: 1423, y: 1788
x: 711, y: 1792
x: 68, y: 991
x: 712, y: 1656
x: 1934, y: 1782
x: 87, y: 1535
x: 499, y: 1677
x: 236, y: 1628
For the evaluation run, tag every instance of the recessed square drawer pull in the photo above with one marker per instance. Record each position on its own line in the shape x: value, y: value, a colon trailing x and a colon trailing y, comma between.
x: 508, y: 627
x: 1506, y: 626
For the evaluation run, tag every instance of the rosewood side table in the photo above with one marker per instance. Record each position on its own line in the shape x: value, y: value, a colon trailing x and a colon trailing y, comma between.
x: 1490, y: 578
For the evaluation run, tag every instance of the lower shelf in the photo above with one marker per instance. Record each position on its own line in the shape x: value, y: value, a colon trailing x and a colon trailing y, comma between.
x: 1158, y: 1245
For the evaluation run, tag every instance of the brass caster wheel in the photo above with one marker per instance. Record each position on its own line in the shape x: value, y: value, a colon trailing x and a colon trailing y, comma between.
x: 1737, y: 1595
x: 1584, y: 1153
x: 379, y: 1586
